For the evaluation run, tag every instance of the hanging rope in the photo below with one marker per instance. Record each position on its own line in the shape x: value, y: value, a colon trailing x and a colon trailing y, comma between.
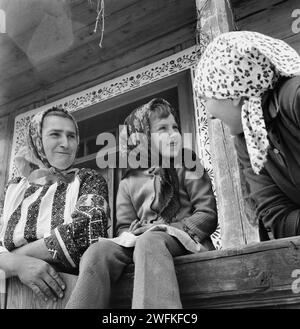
x: 100, y: 17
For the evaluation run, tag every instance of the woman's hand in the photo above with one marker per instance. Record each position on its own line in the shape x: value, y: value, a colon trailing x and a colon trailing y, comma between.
x: 40, y: 277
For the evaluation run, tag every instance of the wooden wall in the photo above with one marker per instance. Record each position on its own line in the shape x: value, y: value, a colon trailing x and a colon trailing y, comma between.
x: 271, y: 17
x: 137, y: 33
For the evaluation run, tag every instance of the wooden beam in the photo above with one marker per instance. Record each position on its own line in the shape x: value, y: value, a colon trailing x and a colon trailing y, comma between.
x: 124, y: 31
x: 257, y: 275
x: 95, y: 74
x: 245, y: 8
x: 232, y: 211
x: 20, y: 296
x: 275, y: 21
x: 260, y: 275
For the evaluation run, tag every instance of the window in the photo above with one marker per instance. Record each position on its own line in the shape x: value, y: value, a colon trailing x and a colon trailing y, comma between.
x: 108, y: 115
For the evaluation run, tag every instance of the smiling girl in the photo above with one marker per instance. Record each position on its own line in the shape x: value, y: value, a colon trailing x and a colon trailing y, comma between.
x: 163, y: 211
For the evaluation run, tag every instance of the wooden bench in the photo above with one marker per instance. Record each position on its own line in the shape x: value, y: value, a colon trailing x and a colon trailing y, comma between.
x: 260, y: 275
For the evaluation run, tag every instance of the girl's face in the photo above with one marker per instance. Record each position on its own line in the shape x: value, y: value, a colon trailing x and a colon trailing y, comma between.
x: 228, y: 111
x: 165, y: 136
x: 59, y: 141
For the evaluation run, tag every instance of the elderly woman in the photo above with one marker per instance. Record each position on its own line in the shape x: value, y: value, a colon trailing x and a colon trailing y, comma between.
x: 52, y: 212
x: 251, y: 82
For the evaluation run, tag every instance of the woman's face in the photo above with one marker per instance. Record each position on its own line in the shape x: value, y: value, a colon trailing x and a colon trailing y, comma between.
x: 166, y: 138
x: 228, y: 111
x: 59, y: 141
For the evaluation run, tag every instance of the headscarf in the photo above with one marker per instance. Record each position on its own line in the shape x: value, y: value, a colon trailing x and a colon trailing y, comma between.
x: 246, y: 64
x: 136, y: 137
x: 31, y: 160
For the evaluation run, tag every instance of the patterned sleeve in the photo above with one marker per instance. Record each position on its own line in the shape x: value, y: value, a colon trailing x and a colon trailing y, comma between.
x: 90, y: 219
x: 15, y: 180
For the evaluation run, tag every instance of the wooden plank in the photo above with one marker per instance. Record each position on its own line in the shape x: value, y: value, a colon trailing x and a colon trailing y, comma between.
x: 294, y: 41
x: 228, y: 198
x: 244, y: 8
x: 123, y: 30
x: 2, y: 289
x: 132, y: 60
x: 128, y: 36
x: 20, y: 296
x: 259, y: 276
x: 3, y: 150
x: 234, y: 225
x: 274, y: 21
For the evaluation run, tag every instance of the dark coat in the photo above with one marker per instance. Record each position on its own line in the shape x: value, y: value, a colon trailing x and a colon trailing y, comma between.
x: 276, y: 191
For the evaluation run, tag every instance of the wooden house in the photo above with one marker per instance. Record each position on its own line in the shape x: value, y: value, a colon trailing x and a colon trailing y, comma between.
x: 140, y: 49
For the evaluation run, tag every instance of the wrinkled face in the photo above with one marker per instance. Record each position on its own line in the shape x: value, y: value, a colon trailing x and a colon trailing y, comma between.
x: 166, y: 138
x: 228, y: 111
x: 59, y: 141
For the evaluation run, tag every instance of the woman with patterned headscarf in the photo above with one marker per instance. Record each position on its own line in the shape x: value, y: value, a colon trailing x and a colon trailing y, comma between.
x: 52, y: 212
x: 252, y: 83
x: 164, y: 209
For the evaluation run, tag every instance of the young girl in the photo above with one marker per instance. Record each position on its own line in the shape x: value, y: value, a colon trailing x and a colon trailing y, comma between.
x: 251, y: 82
x: 52, y: 211
x: 162, y: 212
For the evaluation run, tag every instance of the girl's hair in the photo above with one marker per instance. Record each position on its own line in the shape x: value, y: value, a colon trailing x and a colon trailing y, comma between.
x: 161, y: 109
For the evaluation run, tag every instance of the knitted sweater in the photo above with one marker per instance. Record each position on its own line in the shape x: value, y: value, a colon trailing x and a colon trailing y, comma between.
x: 137, y: 199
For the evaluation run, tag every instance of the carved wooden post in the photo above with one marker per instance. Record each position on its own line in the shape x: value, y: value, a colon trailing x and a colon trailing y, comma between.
x: 5, y: 143
x: 5, y: 137
x: 215, y: 17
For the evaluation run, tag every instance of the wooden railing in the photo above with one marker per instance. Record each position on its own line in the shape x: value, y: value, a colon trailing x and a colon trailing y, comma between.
x: 261, y: 275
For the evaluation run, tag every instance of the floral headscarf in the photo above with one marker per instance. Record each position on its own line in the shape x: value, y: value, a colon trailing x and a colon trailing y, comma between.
x: 246, y: 64
x: 136, y: 135
x: 31, y: 160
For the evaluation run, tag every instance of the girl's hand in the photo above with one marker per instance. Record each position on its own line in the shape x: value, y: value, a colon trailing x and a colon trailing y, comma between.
x: 134, y: 225
x: 40, y: 277
x: 141, y: 229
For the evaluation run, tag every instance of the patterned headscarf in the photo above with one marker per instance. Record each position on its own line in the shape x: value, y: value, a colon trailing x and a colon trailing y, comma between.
x: 246, y: 64
x: 136, y: 136
x: 31, y: 160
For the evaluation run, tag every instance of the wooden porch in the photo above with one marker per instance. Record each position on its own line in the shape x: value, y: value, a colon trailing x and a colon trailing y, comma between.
x: 259, y: 275
x: 246, y: 273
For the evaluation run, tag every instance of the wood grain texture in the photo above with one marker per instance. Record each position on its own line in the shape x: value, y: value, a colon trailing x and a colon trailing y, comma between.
x: 273, y: 18
x: 20, y: 296
x: 245, y: 8
x: 129, y: 28
x: 254, y: 276
x: 258, y: 275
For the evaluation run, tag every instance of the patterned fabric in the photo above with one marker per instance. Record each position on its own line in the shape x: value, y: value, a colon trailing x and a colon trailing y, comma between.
x: 68, y: 208
x: 136, y: 136
x: 69, y: 216
x: 246, y: 64
x: 31, y: 160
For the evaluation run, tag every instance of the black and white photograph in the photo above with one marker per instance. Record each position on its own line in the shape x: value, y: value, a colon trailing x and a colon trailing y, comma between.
x: 149, y: 158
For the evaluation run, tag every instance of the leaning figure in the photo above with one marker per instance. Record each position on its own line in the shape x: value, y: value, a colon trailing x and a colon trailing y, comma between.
x: 251, y: 82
